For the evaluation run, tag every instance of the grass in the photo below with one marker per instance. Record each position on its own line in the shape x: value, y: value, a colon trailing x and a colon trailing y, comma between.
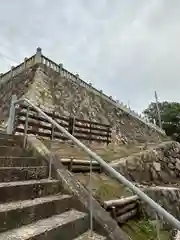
x: 108, y: 153
x: 107, y: 191
x: 144, y: 229
x: 112, y: 153
x: 104, y: 187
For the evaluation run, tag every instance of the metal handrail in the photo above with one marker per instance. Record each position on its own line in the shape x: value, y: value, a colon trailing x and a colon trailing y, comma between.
x: 120, y: 178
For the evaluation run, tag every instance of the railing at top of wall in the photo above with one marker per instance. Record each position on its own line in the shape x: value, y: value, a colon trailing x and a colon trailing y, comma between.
x: 39, y: 58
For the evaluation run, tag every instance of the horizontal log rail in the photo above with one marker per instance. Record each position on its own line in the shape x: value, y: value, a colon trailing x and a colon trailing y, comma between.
x: 76, y: 165
x: 81, y: 168
x: 39, y: 126
x: 126, y: 216
x: 123, y: 209
x: 79, y: 162
x: 56, y: 115
x: 120, y: 202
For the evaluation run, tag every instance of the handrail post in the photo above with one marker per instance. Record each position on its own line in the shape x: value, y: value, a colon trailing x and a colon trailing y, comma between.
x: 26, y: 127
x: 90, y: 199
x: 52, y: 138
x: 11, y: 118
x: 50, y: 167
x: 157, y: 227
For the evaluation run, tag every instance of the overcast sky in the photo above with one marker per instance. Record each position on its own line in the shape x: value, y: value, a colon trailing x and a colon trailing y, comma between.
x: 128, y: 48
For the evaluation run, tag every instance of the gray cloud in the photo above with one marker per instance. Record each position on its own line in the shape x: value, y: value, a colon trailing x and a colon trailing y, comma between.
x: 127, y: 48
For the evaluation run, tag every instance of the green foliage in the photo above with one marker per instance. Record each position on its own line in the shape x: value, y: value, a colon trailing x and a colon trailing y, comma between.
x: 147, y: 228
x: 144, y: 229
x: 170, y: 116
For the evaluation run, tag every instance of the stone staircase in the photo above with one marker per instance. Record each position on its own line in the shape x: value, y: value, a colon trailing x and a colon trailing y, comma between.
x: 33, y: 207
x: 77, y: 161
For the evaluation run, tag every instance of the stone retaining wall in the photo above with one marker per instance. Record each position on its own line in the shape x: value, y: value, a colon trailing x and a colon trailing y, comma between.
x: 168, y: 198
x: 160, y: 165
x: 50, y: 90
x: 18, y: 85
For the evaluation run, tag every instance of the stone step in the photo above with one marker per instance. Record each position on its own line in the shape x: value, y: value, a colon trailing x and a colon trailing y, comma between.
x: 9, y: 141
x: 2, y: 130
x: 17, y: 214
x: 14, y: 151
x: 65, y: 226
x: 4, y: 135
x: 21, y: 161
x: 22, y: 190
x: 8, y: 174
x: 87, y: 236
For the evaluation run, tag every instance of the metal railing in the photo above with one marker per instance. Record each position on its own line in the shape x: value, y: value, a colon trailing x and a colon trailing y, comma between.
x: 120, y: 178
x: 39, y: 58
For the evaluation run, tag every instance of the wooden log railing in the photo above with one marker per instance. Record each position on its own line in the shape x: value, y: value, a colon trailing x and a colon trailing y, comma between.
x: 38, y: 125
x: 122, y: 209
x: 77, y: 165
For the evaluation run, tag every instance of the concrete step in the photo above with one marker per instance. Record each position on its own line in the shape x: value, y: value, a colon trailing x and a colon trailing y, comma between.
x: 86, y: 236
x: 4, y: 135
x: 22, y: 190
x: 65, y: 226
x: 2, y: 130
x: 8, y: 174
x: 21, y: 162
x: 8, y: 142
x: 14, y: 151
x: 17, y: 214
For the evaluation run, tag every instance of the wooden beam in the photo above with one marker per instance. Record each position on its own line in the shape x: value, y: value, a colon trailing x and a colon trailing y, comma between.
x: 120, y: 202
x: 127, y: 216
x: 66, y: 161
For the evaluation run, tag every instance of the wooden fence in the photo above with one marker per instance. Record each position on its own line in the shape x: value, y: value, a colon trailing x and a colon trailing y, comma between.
x: 28, y: 121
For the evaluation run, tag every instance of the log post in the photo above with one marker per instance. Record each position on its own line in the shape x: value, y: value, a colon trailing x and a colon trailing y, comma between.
x: 70, y: 164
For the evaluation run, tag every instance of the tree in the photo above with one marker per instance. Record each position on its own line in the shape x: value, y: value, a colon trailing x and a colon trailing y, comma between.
x: 170, y: 116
